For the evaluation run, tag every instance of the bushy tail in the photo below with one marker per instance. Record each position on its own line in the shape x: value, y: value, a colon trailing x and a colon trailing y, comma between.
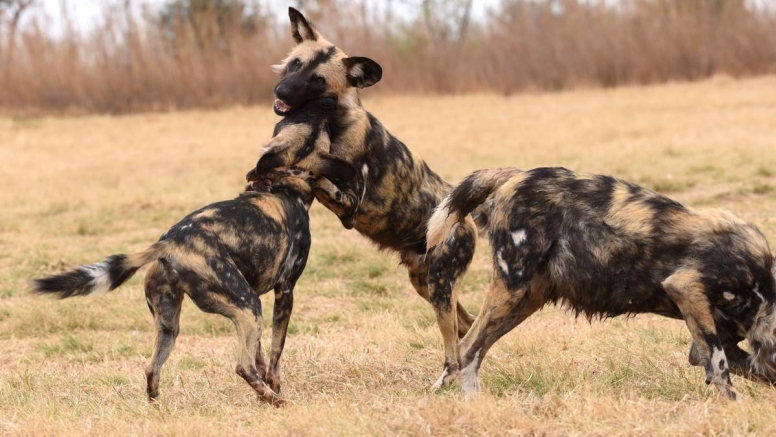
x: 468, y: 195
x: 762, y: 334
x: 98, y: 278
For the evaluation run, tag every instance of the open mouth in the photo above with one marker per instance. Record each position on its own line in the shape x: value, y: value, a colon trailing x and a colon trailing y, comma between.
x: 281, y: 107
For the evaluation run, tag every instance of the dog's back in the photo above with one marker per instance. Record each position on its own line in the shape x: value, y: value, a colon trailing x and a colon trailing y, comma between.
x: 266, y: 236
x: 607, y: 245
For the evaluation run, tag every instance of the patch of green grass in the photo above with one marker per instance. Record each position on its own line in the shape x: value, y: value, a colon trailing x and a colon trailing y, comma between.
x: 27, y: 123
x: 374, y: 270
x: 293, y: 328
x: 417, y: 345
x: 125, y: 350
x: 531, y: 376
x: 209, y: 324
x: 476, y: 279
x: 369, y: 287
x: 764, y: 171
x: 762, y: 189
x: 113, y: 380
x: 668, y: 185
x: 69, y: 345
x: 649, y: 378
x: 73, y: 317
x: 188, y: 363
x: 709, y: 169
x: 423, y: 320
x: 375, y: 305
x: 672, y: 152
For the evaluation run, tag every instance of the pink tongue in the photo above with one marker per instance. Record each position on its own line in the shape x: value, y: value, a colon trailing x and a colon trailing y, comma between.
x: 281, y: 105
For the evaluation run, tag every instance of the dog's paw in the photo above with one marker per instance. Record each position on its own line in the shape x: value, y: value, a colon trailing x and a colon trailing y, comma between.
x: 448, y: 376
x: 273, y: 382
x: 731, y: 394
x: 279, y: 402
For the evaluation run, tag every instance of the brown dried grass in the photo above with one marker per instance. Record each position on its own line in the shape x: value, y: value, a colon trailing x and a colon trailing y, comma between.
x: 363, y: 347
x: 128, y: 65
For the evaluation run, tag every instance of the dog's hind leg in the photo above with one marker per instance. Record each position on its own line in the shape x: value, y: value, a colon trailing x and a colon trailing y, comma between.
x: 281, y: 315
x: 418, y: 273
x: 685, y: 289
x: 248, y: 324
x: 501, y: 312
x: 443, y: 268
x: 230, y: 295
x: 737, y: 357
x: 164, y: 301
x: 261, y: 362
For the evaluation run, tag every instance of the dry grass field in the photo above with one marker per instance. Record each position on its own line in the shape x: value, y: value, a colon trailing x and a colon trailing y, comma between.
x: 363, y: 348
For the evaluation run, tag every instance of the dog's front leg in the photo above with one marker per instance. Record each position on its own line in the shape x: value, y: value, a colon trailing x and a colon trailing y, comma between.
x: 343, y: 202
x: 261, y: 362
x: 689, y: 294
x: 281, y: 315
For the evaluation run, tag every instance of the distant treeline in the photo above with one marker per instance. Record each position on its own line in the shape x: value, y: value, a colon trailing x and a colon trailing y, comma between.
x: 214, y: 53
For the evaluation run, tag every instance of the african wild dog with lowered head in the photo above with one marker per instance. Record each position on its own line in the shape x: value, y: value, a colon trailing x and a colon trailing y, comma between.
x: 398, y: 190
x: 227, y: 254
x: 606, y: 247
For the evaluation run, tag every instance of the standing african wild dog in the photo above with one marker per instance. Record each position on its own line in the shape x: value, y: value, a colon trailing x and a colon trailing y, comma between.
x: 227, y: 254
x: 399, y: 190
x: 605, y: 247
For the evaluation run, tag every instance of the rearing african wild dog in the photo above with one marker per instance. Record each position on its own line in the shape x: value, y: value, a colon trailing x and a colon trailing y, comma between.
x: 605, y: 247
x: 399, y: 192
x: 227, y: 254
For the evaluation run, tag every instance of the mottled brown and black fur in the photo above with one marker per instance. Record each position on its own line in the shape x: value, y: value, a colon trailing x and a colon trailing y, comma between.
x: 398, y: 191
x: 605, y: 247
x: 227, y: 254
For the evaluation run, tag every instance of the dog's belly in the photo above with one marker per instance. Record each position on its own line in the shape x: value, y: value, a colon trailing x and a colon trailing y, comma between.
x: 612, y: 296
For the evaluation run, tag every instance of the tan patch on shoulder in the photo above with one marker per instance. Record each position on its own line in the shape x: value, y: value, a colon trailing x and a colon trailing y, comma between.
x: 351, y: 144
x: 633, y: 217
x: 270, y: 206
x: 323, y: 143
x: 208, y: 213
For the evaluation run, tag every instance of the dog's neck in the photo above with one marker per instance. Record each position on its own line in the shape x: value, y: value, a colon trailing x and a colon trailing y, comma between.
x: 351, y: 100
x: 294, y: 188
x: 349, y: 126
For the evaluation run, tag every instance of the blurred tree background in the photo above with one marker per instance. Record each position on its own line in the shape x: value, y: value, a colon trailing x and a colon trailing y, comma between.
x: 214, y: 53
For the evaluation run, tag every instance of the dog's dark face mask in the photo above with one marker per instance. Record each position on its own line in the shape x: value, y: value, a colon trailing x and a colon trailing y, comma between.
x: 316, y: 68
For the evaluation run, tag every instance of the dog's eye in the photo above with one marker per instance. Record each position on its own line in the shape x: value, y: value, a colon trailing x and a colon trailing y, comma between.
x: 320, y: 80
x: 294, y: 65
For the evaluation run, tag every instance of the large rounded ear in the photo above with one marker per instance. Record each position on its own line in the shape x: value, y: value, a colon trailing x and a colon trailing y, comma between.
x: 362, y: 72
x: 301, y: 29
x: 333, y: 169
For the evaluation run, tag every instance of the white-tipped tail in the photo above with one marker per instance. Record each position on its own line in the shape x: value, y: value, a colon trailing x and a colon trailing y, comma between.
x: 762, y: 336
x: 100, y: 278
x: 441, y: 222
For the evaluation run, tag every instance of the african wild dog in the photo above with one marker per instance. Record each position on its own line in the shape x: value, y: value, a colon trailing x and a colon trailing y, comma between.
x: 227, y: 254
x: 606, y: 247
x: 398, y: 190
x: 301, y: 139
